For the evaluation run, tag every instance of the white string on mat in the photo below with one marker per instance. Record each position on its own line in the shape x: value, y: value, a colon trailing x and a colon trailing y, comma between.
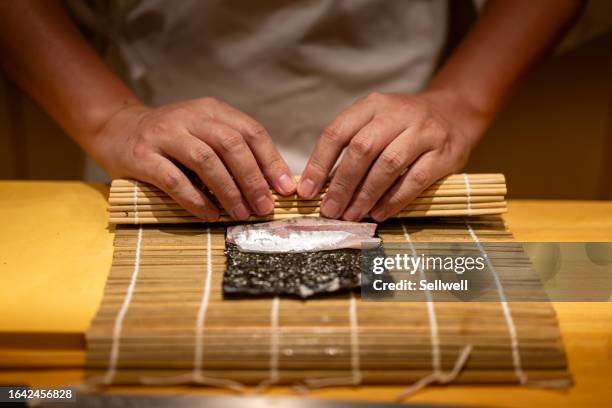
x: 468, y: 189
x: 355, y: 360
x: 274, y: 375
x: 516, y: 357
x: 439, y: 377
x: 431, y: 311
x: 114, y: 354
x: 274, y: 340
x: 201, y: 319
x: 196, y: 375
x: 356, y: 376
x: 136, y: 202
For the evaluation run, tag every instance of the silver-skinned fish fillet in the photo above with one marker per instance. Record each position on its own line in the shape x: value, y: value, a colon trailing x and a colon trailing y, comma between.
x: 304, y: 234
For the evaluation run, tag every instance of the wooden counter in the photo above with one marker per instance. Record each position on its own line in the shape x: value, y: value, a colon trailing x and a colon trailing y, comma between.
x: 56, y: 249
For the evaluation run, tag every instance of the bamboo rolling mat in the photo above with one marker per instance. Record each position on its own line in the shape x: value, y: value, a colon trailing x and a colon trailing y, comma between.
x: 133, y: 202
x: 163, y: 320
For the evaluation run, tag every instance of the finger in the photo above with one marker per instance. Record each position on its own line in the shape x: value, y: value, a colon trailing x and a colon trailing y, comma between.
x: 274, y: 167
x: 162, y: 173
x: 425, y: 171
x: 239, y: 159
x: 329, y: 146
x: 394, y: 159
x: 203, y: 160
x: 361, y: 152
x: 270, y: 161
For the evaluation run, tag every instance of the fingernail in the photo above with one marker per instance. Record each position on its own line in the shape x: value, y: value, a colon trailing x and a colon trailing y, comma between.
x: 239, y: 212
x: 287, y: 184
x: 352, y: 214
x: 264, y: 204
x: 331, y: 208
x: 306, y: 188
x: 379, y: 215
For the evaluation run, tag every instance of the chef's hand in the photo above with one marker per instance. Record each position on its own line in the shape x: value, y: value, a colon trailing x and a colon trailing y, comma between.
x: 397, y: 145
x: 230, y: 152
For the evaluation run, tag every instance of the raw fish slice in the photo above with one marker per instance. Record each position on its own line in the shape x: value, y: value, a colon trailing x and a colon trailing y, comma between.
x: 307, y: 234
x: 313, y: 224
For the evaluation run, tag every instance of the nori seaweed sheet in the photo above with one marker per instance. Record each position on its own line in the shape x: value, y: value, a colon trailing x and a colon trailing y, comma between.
x: 302, y: 274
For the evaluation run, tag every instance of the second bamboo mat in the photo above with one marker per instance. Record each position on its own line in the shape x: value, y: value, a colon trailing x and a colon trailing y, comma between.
x: 163, y: 320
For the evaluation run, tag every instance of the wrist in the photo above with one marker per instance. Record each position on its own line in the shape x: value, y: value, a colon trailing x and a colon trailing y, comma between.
x: 462, y: 112
x: 99, y: 118
x: 115, y: 123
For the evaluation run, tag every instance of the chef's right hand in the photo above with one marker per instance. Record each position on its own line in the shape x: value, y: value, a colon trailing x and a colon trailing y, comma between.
x: 231, y: 153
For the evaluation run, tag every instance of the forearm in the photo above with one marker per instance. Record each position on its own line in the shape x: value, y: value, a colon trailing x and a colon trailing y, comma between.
x: 397, y: 144
x: 508, y: 38
x: 44, y: 52
x: 229, y: 151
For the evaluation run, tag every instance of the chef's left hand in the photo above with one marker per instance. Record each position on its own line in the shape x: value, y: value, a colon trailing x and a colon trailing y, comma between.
x: 397, y: 145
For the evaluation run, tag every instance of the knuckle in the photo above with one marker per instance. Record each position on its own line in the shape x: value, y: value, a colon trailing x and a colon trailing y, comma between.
x: 275, y: 163
x: 362, y: 146
x: 175, y: 110
x: 140, y: 151
x: 231, y: 193
x: 381, y: 123
x: 231, y: 141
x: 157, y: 128
x: 367, y: 194
x: 396, y: 202
x: 256, y: 131
x: 315, y: 165
x: 255, y: 181
x: 392, y: 162
x: 170, y: 181
x: 340, y: 185
x: 331, y: 135
x: 435, y: 128
x: 203, y: 156
x: 419, y: 177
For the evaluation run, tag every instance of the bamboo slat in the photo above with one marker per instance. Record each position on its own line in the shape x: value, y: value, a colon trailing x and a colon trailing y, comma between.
x: 133, y: 202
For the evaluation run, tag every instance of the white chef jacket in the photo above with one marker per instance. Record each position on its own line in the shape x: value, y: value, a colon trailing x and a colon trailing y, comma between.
x: 291, y: 65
